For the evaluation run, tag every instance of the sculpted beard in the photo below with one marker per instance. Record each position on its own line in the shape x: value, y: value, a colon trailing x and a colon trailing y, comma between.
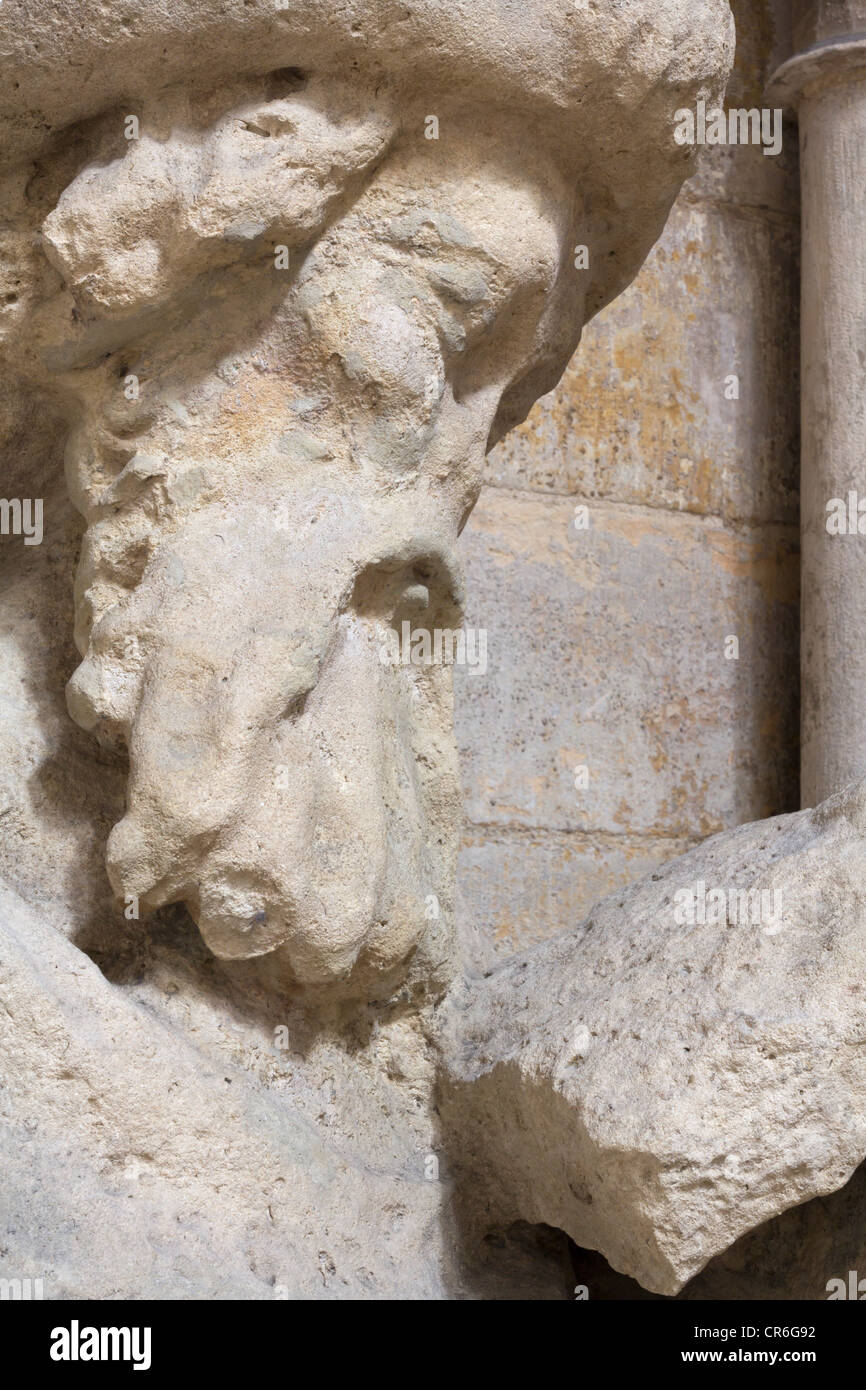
x: 283, y: 491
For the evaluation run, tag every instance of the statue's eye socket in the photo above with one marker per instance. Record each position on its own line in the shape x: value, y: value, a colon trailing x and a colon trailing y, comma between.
x: 420, y: 592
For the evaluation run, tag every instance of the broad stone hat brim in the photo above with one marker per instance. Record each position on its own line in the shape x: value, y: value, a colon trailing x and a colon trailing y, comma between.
x: 602, y: 79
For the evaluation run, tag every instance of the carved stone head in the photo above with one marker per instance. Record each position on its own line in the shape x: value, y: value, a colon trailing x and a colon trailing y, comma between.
x: 297, y: 274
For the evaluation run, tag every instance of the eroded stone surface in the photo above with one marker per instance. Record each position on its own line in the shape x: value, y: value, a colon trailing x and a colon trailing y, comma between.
x: 328, y: 319
x: 656, y: 1087
x: 285, y: 326
x: 158, y: 1142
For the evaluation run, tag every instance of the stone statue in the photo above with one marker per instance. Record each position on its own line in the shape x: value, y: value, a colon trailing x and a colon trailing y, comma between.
x: 284, y: 279
x: 287, y: 326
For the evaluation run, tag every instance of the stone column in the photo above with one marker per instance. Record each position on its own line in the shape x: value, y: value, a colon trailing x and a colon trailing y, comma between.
x: 826, y: 82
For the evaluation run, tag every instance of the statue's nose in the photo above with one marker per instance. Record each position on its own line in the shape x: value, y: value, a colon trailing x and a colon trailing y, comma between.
x: 305, y: 864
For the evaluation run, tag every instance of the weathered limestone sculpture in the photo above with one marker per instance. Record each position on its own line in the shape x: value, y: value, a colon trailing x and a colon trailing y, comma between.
x: 288, y: 326
x: 290, y: 274
x: 658, y: 1082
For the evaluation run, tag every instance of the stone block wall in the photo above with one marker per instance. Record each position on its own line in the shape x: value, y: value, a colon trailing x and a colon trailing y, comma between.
x: 643, y: 516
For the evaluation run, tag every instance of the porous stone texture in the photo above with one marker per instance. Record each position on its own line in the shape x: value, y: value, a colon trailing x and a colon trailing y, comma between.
x: 164, y: 1140
x: 274, y: 319
x: 606, y: 644
x: 658, y: 1086
x: 274, y: 324
x: 281, y: 327
x: 800, y: 1255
